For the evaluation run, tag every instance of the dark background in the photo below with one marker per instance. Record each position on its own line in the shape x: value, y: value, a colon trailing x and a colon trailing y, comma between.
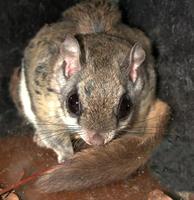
x: 169, y: 24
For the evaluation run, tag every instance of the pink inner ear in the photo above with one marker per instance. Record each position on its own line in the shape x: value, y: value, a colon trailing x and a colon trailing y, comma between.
x: 133, y: 72
x: 137, y: 57
x: 70, y: 53
x: 71, y: 66
x: 70, y: 70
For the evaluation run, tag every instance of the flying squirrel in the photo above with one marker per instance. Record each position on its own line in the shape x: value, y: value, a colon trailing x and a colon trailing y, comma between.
x: 91, y: 77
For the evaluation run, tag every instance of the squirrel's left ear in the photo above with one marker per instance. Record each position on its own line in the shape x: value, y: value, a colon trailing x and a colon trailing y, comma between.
x: 70, y: 52
x: 67, y: 63
x: 136, y: 58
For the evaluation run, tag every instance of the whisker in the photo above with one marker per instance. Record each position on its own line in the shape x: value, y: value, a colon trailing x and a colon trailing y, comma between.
x: 143, y: 128
x: 137, y: 132
x: 64, y: 128
x: 77, y: 143
x: 148, y: 119
x: 54, y: 124
x: 58, y: 134
x: 67, y: 131
x: 48, y: 123
x: 49, y: 136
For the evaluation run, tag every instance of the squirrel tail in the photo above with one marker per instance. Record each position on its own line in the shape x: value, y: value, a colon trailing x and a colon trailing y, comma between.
x: 94, y: 16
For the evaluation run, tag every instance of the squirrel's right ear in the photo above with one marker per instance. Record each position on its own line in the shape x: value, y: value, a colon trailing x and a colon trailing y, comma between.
x: 136, y: 58
x: 67, y: 64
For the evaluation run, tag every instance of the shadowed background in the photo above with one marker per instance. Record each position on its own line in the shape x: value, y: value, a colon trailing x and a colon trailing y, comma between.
x: 169, y: 24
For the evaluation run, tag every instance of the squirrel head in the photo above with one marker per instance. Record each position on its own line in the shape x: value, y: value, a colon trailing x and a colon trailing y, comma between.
x: 99, y: 79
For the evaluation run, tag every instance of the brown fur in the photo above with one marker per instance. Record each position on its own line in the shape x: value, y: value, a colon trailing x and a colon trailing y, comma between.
x: 93, y: 16
x: 113, y: 162
x: 104, y: 51
x: 101, y: 65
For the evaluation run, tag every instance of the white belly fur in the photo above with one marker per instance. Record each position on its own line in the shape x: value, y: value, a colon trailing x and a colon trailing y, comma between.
x: 25, y: 100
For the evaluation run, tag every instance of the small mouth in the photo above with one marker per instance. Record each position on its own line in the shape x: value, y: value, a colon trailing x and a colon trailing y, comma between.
x: 96, y: 142
x: 94, y: 139
x: 87, y: 141
x: 97, y: 139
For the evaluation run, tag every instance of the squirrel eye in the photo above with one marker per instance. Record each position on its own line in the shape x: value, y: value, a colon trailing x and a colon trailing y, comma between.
x: 73, y: 104
x: 124, y: 107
